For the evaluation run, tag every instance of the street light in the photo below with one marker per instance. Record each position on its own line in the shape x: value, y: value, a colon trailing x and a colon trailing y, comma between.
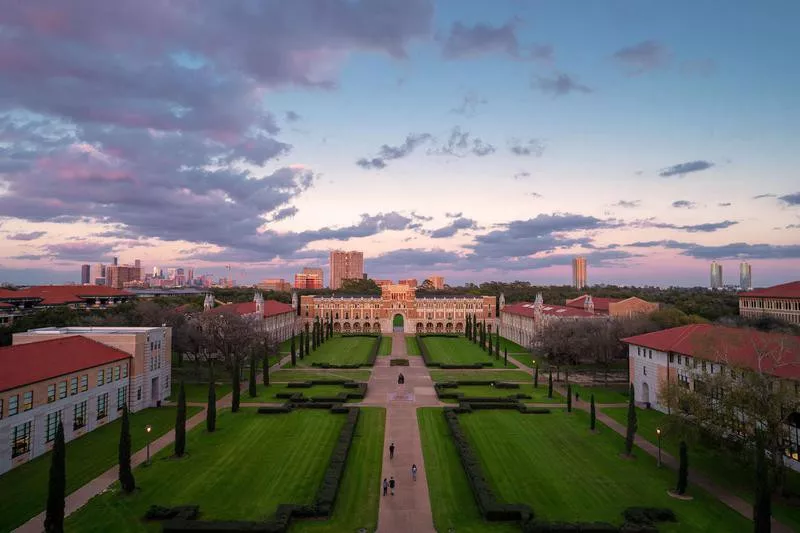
x: 148, y: 429
x: 658, y: 431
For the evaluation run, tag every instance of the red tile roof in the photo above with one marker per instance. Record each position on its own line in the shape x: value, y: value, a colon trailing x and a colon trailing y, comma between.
x: 740, y: 347
x: 784, y: 290
x: 64, y: 294
x: 526, y: 309
x: 24, y: 364
x: 271, y: 308
x: 600, y: 304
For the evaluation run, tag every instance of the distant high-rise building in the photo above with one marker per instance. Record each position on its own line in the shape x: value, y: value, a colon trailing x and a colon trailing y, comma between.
x: 345, y: 265
x: 118, y: 275
x: 745, y: 276
x: 156, y: 272
x: 137, y: 263
x: 115, y: 261
x: 716, y: 275
x: 437, y: 282
x: 309, y: 278
x: 86, y: 274
x: 409, y: 282
x: 579, y: 272
x: 97, y: 274
x: 275, y: 284
x: 190, y: 275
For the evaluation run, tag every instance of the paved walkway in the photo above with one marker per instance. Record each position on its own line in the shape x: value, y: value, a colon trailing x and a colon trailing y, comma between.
x: 409, y: 510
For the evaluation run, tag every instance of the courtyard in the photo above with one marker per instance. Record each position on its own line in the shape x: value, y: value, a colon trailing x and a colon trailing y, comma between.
x: 459, y: 351
x: 347, y: 350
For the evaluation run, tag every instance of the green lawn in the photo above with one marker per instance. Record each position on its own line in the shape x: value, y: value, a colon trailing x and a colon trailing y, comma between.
x: 526, y: 359
x: 242, y: 471
x: 538, y: 395
x: 340, y: 351
x: 719, y: 465
x: 306, y: 374
x: 286, y: 346
x: 412, y: 348
x: 565, y: 473
x: 267, y: 394
x: 458, y: 350
x: 451, y: 498
x: 601, y: 394
x: 512, y: 346
x: 499, y: 375
x: 24, y: 489
x: 357, y: 502
x: 386, y: 346
x: 198, y: 392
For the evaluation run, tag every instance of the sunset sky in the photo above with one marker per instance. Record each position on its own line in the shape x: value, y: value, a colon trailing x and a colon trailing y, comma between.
x: 472, y: 139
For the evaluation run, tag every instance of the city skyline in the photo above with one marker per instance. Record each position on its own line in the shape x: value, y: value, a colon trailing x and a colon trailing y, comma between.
x: 482, y: 142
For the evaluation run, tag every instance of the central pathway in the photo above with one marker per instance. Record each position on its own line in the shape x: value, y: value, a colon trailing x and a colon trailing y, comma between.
x: 410, y: 508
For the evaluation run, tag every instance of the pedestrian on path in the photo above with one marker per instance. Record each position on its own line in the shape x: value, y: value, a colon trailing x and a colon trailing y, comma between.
x: 414, y: 472
x: 391, y: 451
x: 391, y: 484
x: 385, y: 486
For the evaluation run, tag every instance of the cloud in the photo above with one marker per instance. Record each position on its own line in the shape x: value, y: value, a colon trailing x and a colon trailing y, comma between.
x: 559, y: 85
x: 534, y: 147
x: 454, y: 227
x: 453, y: 215
x: 790, y: 199
x: 760, y: 196
x: 423, y: 218
x: 461, y: 144
x: 31, y: 236
x: 481, y: 39
x: 291, y: 116
x: 469, y: 105
x: 724, y: 204
x: 535, y: 194
x: 682, y: 169
x: 628, y: 204
x: 29, y: 257
x: 684, y: 204
x: 400, y: 260
x: 80, y: 251
x: 286, y: 212
x: 522, y: 175
x: 641, y: 57
x: 390, y: 153
x: 738, y: 250
x: 708, y: 227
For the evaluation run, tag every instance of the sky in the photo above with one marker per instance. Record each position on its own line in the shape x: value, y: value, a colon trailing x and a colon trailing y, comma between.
x: 470, y: 139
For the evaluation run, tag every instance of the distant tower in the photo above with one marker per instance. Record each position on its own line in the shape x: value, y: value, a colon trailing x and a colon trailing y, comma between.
x: 716, y: 275
x: 588, y: 304
x: 579, y: 272
x: 116, y: 261
x: 502, y: 301
x: 208, y: 303
x: 86, y: 274
x: 294, y: 300
x: 745, y: 276
x: 538, y: 302
x: 259, y: 300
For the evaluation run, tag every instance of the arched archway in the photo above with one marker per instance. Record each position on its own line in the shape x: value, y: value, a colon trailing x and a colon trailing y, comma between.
x: 645, y: 393
x: 357, y: 327
x: 337, y: 327
x: 420, y: 327
x: 398, y: 323
x: 376, y: 327
x: 448, y: 328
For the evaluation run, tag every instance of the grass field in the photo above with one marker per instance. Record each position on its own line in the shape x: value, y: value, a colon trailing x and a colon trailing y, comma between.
x: 513, y: 347
x: 340, y: 351
x: 242, y: 471
x: 386, y: 346
x: 553, y: 463
x: 198, y: 392
x: 498, y: 375
x: 458, y: 350
x: 538, y: 395
x: 601, y: 394
x: 412, y: 347
x: 267, y: 394
x: 719, y: 465
x: 24, y: 489
x: 357, y: 502
x: 306, y: 374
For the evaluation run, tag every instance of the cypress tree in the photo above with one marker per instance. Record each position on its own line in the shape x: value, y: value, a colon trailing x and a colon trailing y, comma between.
x: 475, y: 332
x: 56, y: 491
x: 126, y: 480
x: 536, y: 377
x: 683, y: 470
x: 265, y: 370
x: 252, y: 384
x: 302, y: 345
x: 629, y: 435
x: 592, y: 415
x: 762, y: 504
x: 314, y: 336
x: 550, y: 385
x: 467, y: 328
x: 490, y: 347
x: 505, y: 356
x: 180, y: 423
x: 308, y: 340
x: 569, y: 398
x: 236, y: 384
x: 497, y: 345
x: 294, y: 351
x: 211, y: 409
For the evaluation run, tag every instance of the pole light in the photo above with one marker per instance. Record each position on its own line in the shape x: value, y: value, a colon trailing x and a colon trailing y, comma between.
x: 148, y: 429
x: 658, y: 431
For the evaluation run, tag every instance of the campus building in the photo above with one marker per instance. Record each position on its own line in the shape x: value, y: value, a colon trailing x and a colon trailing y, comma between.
x: 781, y: 301
x: 399, y: 309
x: 345, y: 265
x: 309, y: 278
x: 277, y: 319
x: 14, y: 303
x: 617, y: 307
x: 524, y: 322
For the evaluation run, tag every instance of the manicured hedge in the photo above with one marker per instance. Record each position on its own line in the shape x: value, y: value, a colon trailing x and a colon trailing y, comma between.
x: 398, y: 362
x: 649, y: 515
x: 569, y: 527
x: 358, y: 393
x: 186, y: 512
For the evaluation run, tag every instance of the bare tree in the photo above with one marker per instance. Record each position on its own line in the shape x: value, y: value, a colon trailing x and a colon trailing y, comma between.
x: 227, y: 335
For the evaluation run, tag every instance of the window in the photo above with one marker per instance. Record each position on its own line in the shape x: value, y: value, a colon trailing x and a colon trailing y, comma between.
x: 79, y: 415
x: 651, y: 353
x: 122, y: 396
x: 116, y: 373
x: 27, y: 401
x: 13, y: 405
x: 102, y: 406
x: 139, y: 393
x: 684, y: 381
x: 703, y: 366
x: 62, y: 389
x: 52, y: 426
x: 108, y: 375
x: 638, y: 350
x: 100, y: 377
x: 672, y: 358
x: 51, y: 393
x: 125, y: 370
x: 21, y: 439
x: 644, y: 370
x: 84, y: 382
x: 73, y: 386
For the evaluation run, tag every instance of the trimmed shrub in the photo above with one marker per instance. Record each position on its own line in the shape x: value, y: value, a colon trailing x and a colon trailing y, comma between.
x: 569, y: 527
x: 648, y: 515
x: 398, y: 362
x: 505, y: 385
x: 299, y: 385
x: 274, y: 410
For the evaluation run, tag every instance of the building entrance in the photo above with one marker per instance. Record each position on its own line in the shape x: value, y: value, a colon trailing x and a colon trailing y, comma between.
x: 398, y: 324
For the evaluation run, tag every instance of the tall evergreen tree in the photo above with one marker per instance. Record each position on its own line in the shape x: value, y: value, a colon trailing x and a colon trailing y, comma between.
x: 308, y: 340
x: 467, y: 328
x: 592, y: 415
x: 474, y: 332
x: 180, y: 423
x: 536, y: 376
x: 314, y: 337
x: 490, y: 347
x: 550, y: 385
x: 683, y: 470
x: 236, y: 384
x: 762, y: 504
x: 302, y: 345
x: 569, y: 398
x: 126, y: 480
x: 631, y: 432
x: 265, y: 370
x: 497, y: 345
x: 211, y: 409
x: 505, y: 356
x: 251, y: 386
x: 294, y: 351
x: 56, y: 490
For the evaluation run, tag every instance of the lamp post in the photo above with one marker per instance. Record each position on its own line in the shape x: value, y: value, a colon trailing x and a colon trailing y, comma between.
x: 148, y: 429
x: 658, y: 432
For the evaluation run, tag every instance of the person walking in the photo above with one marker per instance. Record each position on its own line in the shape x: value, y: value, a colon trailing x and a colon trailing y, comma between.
x: 391, y: 451
x: 391, y: 484
x: 414, y: 472
x: 385, y: 486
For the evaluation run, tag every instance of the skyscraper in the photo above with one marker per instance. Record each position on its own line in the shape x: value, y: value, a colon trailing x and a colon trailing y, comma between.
x: 716, y: 275
x: 579, y: 272
x: 345, y: 265
x: 86, y: 274
x: 309, y: 278
x: 745, y: 276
